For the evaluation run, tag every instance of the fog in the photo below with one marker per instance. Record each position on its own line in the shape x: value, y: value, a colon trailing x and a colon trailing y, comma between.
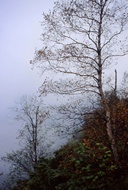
x: 20, y: 31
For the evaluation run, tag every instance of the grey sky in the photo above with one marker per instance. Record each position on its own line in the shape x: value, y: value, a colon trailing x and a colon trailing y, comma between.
x: 20, y: 32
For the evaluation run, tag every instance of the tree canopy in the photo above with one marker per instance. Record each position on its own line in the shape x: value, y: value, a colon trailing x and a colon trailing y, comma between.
x: 81, y: 39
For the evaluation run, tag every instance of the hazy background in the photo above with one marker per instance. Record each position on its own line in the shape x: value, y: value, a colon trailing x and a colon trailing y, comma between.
x: 20, y: 32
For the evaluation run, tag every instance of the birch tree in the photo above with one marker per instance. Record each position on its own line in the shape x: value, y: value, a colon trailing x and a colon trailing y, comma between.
x: 81, y: 39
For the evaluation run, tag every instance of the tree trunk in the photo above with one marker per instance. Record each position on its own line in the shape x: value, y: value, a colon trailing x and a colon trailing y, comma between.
x: 111, y: 136
x: 108, y: 121
x: 100, y: 88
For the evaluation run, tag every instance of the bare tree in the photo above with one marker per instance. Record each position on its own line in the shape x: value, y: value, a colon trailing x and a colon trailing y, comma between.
x: 81, y: 39
x: 32, y: 135
x: 32, y: 114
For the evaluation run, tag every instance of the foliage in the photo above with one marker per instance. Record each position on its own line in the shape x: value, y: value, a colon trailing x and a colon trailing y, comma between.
x: 41, y: 178
x: 87, y: 163
x: 74, y: 167
x: 95, y: 131
x: 80, y: 39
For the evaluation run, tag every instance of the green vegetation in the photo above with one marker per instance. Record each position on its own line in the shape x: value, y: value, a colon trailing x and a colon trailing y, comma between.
x: 80, y: 40
x: 87, y: 163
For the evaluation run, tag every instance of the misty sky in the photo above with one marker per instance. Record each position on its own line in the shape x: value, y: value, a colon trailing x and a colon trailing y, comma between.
x: 20, y: 32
